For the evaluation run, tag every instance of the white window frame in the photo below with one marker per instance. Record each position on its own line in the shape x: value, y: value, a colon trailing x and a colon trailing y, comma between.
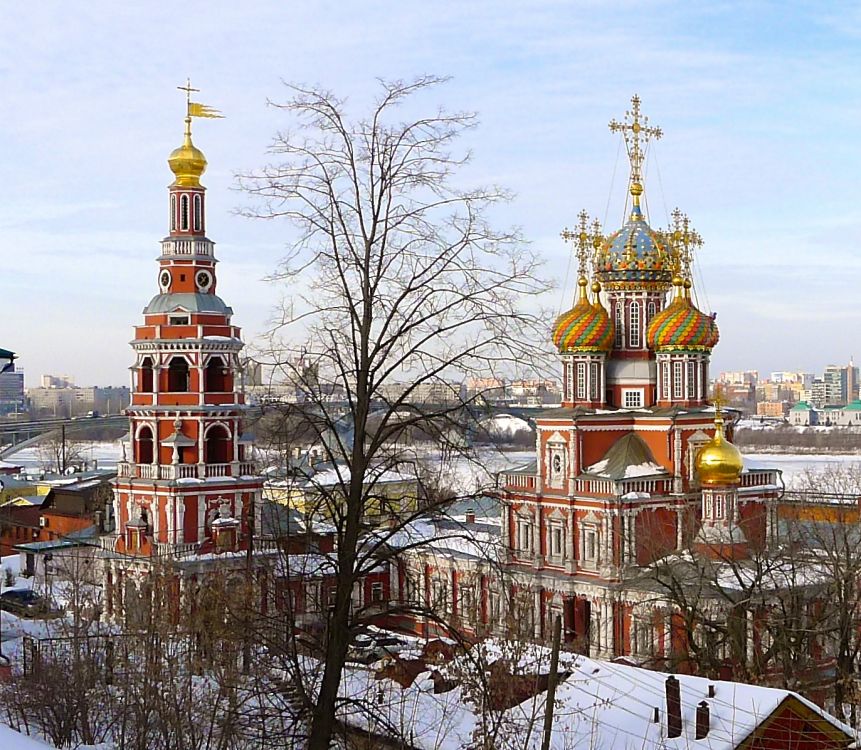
x: 197, y: 213
x: 692, y: 379
x: 651, y: 309
x: 619, y: 317
x: 524, y: 535
x: 184, y: 212
x: 633, y: 398
x: 634, y: 325
x: 594, y: 382
x: 678, y: 379
x: 556, y: 533
x: 581, y: 380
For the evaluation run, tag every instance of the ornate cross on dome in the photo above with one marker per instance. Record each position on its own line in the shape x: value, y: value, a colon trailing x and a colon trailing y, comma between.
x: 583, y: 240
x: 684, y: 242
x: 637, y: 132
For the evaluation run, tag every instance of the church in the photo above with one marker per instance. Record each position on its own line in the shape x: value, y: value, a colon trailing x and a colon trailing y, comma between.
x: 636, y: 465
x: 188, y: 493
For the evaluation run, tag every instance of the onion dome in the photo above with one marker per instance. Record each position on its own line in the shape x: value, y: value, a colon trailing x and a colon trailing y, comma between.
x: 586, y: 327
x: 635, y: 255
x: 682, y: 327
x: 187, y: 162
x: 719, y: 462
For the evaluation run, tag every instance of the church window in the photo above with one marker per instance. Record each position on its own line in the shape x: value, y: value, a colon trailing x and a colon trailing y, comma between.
x: 145, y: 376
x: 595, y: 381
x: 633, y: 399
x: 677, y: 379
x: 198, y: 213
x: 178, y: 320
x: 650, y: 312
x: 569, y: 381
x: 581, y: 380
x: 172, y: 213
x: 557, y: 540
x: 145, y: 446
x: 215, y: 376
x: 377, y: 591
x: 177, y: 375
x: 692, y: 379
x: 719, y: 506
x: 665, y: 380
x: 524, y: 536
x: 620, y: 338
x: 183, y: 213
x: 634, y: 328
x: 591, y: 546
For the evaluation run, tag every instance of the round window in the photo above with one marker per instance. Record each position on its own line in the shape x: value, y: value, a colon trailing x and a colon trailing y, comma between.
x: 164, y: 280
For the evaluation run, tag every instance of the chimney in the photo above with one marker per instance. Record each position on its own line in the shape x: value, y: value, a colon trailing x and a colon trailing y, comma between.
x: 470, y: 515
x: 702, y: 720
x: 711, y: 691
x: 674, y: 707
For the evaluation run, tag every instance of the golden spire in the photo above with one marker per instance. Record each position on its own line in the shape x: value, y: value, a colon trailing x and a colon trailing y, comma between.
x: 188, y: 162
x: 683, y: 241
x: 637, y: 132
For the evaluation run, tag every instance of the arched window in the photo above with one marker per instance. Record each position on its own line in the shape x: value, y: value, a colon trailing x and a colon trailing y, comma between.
x: 215, y: 376
x: 650, y: 312
x: 665, y: 381
x: 177, y: 375
x: 145, y: 376
x: 172, y: 213
x: 594, y: 382
x: 217, y: 446
x: 634, y: 327
x: 198, y: 213
x: 183, y: 213
x: 620, y: 337
x: 692, y: 380
x: 145, y: 446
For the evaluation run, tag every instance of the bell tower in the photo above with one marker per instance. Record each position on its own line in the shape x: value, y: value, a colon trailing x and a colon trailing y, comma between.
x: 188, y: 473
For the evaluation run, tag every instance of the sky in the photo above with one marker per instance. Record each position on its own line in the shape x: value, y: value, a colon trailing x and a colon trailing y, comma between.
x: 760, y: 103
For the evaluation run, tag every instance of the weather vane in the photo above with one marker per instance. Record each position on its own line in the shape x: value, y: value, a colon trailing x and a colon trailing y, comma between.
x: 637, y: 132
x: 196, y: 109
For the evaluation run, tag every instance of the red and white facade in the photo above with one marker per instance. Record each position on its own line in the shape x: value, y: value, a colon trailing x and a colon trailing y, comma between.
x: 188, y: 487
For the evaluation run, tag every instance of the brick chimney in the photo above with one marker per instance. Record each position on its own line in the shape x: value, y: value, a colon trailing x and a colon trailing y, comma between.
x: 702, y: 720
x: 674, y: 707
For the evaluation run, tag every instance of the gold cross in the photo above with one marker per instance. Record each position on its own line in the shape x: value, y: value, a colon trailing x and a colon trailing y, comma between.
x: 188, y: 89
x: 583, y: 238
x: 718, y: 400
x: 637, y: 132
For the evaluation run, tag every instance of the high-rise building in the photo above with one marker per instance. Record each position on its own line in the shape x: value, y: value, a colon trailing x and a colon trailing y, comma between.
x: 12, y: 390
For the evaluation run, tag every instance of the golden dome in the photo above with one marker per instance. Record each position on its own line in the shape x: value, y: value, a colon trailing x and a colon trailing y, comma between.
x: 187, y: 162
x: 719, y: 462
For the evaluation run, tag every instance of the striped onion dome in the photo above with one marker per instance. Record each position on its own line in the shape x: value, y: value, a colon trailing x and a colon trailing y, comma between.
x: 586, y: 327
x: 682, y: 327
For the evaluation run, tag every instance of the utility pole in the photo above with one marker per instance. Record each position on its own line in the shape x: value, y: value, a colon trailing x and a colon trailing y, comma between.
x: 551, y: 684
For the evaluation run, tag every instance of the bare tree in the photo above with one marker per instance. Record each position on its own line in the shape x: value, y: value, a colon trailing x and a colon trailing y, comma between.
x: 398, y: 289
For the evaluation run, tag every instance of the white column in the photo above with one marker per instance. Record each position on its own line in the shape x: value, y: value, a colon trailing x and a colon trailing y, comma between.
x: 201, y: 517
x: 180, y: 521
x: 171, y: 521
x: 536, y: 620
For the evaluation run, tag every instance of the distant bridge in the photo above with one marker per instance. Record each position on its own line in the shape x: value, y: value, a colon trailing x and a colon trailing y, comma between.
x: 15, y: 436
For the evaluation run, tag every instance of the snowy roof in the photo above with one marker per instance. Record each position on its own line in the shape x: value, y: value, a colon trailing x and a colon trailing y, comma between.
x: 599, y: 705
x: 627, y: 458
x: 201, y: 303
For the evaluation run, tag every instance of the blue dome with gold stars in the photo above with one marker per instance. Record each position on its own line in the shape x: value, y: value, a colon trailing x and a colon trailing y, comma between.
x: 635, y: 256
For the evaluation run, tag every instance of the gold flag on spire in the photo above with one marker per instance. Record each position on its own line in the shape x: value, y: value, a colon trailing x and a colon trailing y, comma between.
x: 196, y: 109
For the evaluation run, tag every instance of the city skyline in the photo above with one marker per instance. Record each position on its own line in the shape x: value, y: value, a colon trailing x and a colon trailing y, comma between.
x: 750, y: 99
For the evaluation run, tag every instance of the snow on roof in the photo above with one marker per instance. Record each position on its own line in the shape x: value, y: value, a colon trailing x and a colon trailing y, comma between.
x: 599, y: 705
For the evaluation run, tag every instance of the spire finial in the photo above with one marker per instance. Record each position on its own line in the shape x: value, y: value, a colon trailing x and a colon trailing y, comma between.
x: 637, y: 132
x: 584, y: 242
x: 188, y: 89
x: 719, y: 401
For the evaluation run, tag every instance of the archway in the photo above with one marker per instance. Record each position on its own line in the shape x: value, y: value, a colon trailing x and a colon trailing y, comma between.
x: 217, y: 446
x: 145, y: 446
x: 177, y: 375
